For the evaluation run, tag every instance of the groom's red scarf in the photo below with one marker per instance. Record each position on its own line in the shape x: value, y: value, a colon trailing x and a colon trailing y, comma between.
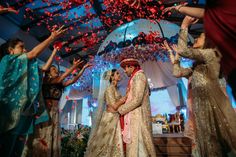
x: 122, y: 117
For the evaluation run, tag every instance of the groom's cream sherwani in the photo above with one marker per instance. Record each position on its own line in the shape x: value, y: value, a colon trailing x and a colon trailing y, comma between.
x: 137, y: 108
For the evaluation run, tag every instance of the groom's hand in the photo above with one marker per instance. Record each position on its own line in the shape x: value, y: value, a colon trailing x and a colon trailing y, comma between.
x: 123, y: 99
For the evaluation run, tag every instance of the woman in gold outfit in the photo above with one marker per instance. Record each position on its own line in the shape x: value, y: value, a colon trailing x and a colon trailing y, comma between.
x: 214, y: 116
x: 105, y: 138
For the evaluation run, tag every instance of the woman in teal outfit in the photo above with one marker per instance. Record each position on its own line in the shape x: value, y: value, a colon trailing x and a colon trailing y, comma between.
x: 20, y: 86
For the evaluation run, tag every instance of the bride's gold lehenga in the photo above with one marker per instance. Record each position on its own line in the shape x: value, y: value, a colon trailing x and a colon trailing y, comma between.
x: 107, y: 141
x: 214, y: 116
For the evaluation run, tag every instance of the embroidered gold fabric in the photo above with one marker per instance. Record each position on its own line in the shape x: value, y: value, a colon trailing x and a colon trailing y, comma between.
x: 140, y: 120
x: 107, y: 142
x: 213, y: 113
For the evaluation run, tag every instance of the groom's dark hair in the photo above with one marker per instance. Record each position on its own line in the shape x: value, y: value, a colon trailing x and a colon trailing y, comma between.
x: 135, y: 66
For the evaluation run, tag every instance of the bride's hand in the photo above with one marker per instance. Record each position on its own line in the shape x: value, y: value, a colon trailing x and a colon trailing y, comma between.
x: 112, y: 110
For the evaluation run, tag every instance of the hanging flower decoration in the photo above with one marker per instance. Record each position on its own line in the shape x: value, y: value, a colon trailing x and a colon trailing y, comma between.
x: 143, y: 47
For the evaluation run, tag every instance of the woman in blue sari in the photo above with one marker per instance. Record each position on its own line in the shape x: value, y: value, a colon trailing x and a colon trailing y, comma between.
x: 20, y: 86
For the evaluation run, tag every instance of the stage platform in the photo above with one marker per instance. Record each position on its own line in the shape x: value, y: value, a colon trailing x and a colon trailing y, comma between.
x: 172, y: 145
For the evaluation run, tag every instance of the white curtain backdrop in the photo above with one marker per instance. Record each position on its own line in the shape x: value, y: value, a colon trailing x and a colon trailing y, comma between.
x: 174, y: 95
x: 159, y: 73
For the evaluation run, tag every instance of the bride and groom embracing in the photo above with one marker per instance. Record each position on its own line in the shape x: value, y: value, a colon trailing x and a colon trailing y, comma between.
x: 122, y: 126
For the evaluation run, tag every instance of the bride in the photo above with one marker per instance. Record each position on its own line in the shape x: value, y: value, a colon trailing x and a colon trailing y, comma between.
x: 105, y: 138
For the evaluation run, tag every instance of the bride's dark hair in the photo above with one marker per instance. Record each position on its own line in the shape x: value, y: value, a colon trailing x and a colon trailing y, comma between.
x: 112, y: 74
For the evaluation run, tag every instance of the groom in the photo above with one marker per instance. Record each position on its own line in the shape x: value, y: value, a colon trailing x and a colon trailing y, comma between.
x: 137, y: 132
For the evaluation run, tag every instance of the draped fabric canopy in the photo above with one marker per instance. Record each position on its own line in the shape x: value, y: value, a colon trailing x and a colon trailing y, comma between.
x: 130, y: 30
x: 159, y: 73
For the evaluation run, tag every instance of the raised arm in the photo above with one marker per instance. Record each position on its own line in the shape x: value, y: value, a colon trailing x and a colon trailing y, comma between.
x: 199, y: 54
x: 69, y: 82
x: 36, y: 51
x: 49, y: 61
x: 190, y: 11
x: 138, y: 89
x: 166, y: 46
x: 59, y: 79
x: 182, y: 49
x: 8, y: 10
x: 178, y: 71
